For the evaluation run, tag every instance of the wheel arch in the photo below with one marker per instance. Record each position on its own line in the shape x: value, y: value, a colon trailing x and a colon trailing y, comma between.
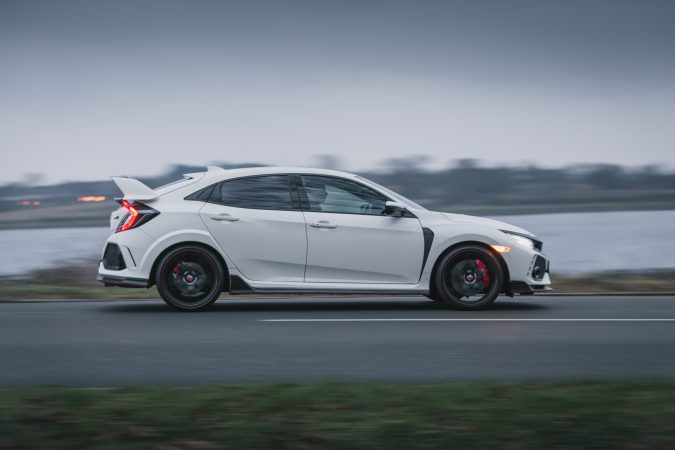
x: 193, y: 244
x: 502, y: 262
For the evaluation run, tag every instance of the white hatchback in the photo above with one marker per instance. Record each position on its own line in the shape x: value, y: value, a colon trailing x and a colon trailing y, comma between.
x: 298, y: 230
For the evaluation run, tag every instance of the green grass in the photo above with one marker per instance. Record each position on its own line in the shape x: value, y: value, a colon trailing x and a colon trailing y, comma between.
x: 74, y: 289
x: 463, y: 415
x: 76, y: 280
x: 619, y: 281
x: 31, y: 291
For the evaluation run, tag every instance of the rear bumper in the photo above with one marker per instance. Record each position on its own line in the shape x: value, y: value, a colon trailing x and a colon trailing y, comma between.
x: 111, y: 280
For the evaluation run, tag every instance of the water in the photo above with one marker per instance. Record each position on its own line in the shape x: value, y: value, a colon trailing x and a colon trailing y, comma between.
x: 25, y: 250
x: 575, y: 242
x: 593, y: 242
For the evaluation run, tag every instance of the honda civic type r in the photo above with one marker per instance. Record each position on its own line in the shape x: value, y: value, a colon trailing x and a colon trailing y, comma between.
x: 297, y: 230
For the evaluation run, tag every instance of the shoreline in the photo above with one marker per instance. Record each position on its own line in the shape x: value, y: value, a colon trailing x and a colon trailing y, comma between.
x: 53, y: 219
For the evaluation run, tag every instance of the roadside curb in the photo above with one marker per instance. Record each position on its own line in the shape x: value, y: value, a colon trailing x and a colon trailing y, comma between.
x: 606, y: 294
x: 372, y: 296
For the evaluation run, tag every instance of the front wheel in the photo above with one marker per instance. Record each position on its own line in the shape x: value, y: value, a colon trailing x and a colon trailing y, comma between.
x: 190, y: 278
x: 469, y: 277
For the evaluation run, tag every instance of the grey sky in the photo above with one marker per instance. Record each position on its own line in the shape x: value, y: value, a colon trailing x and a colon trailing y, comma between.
x: 92, y: 88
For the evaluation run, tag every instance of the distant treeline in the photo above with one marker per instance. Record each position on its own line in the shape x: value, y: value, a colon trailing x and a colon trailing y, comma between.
x: 468, y: 186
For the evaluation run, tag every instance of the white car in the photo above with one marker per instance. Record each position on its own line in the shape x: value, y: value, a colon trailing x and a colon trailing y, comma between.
x: 298, y: 230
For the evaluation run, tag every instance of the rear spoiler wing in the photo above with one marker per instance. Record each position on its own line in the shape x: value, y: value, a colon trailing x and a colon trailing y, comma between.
x: 133, y: 189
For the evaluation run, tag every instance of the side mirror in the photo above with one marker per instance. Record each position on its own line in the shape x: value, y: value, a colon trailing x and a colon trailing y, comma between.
x: 395, y: 209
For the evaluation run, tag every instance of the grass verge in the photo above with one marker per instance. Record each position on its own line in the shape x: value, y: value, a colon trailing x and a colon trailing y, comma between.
x: 77, y: 281
x: 462, y: 415
x: 619, y: 281
x: 35, y: 291
x: 11, y: 291
x: 74, y: 280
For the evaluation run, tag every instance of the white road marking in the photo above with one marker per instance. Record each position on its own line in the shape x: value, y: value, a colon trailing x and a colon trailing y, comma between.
x: 474, y: 320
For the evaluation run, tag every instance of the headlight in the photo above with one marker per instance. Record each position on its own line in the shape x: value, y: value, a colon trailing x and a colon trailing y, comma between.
x: 522, y: 240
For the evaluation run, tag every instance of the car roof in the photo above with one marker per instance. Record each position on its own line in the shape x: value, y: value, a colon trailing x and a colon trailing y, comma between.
x: 217, y: 173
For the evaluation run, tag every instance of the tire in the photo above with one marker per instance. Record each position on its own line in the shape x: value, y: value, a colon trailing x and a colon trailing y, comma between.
x: 434, y: 298
x: 469, y: 278
x: 190, y: 278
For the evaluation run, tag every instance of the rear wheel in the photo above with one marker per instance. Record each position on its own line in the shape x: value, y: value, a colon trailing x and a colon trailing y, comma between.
x: 190, y: 278
x: 468, y: 277
x: 433, y: 296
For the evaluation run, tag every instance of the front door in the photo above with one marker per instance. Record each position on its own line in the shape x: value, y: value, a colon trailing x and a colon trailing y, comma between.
x: 258, y: 223
x: 351, y: 240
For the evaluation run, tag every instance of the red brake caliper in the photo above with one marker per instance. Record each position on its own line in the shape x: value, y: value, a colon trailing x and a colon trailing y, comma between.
x: 483, y: 269
x: 177, y: 267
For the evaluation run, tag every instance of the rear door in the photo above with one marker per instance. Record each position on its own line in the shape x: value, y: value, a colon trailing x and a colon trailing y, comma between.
x: 351, y: 240
x: 258, y: 222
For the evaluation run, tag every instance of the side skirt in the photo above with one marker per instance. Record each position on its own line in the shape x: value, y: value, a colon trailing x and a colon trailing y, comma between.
x: 238, y: 286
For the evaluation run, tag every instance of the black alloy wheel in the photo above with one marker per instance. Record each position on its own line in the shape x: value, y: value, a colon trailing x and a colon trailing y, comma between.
x: 190, y: 278
x: 469, y: 277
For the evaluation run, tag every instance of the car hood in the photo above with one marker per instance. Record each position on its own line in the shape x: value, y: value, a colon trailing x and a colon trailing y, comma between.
x: 485, y: 221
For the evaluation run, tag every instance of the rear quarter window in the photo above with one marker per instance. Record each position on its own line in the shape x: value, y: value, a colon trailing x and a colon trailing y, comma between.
x: 271, y: 192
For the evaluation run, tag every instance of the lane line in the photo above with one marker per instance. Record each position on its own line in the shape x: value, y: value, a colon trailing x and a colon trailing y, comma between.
x: 475, y: 320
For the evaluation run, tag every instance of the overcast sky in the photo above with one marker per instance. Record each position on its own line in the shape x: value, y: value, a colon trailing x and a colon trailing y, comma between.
x: 92, y: 88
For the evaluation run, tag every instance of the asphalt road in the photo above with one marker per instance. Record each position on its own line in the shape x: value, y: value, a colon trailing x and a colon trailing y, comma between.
x: 397, y: 339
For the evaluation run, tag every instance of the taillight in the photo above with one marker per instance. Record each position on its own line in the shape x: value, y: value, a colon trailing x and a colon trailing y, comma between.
x: 137, y: 214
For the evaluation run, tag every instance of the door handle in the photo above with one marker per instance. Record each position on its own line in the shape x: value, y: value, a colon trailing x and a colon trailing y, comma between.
x: 323, y: 224
x: 225, y: 217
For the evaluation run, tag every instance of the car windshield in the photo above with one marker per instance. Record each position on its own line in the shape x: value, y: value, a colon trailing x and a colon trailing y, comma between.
x: 391, y: 193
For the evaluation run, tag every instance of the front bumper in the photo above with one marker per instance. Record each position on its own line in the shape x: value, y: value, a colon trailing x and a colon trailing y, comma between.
x: 528, y: 271
x: 521, y: 287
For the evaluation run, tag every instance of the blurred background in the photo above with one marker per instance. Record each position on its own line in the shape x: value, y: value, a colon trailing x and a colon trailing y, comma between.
x: 554, y: 116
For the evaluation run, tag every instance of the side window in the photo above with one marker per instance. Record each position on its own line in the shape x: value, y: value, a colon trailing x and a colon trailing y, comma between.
x: 337, y: 195
x: 260, y: 192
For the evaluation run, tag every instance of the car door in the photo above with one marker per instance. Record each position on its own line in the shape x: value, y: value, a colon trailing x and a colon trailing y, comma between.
x: 351, y: 240
x: 258, y: 222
